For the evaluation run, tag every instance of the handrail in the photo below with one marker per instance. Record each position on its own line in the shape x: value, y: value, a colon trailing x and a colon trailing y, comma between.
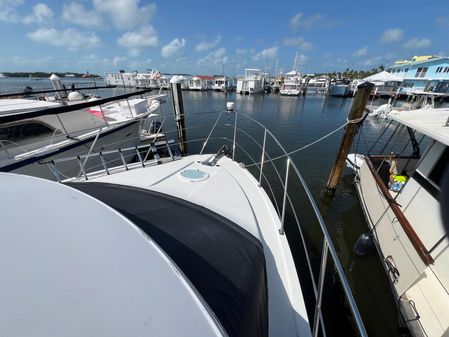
x: 291, y: 168
x: 327, y: 238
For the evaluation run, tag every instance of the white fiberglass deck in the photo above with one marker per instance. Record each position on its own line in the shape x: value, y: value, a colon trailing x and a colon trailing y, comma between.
x: 232, y: 192
x: 72, y: 266
x: 19, y: 105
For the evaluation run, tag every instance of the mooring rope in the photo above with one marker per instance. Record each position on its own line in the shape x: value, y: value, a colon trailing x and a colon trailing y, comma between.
x: 352, y: 121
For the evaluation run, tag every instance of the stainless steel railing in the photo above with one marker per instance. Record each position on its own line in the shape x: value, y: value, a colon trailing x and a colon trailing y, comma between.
x: 283, y: 180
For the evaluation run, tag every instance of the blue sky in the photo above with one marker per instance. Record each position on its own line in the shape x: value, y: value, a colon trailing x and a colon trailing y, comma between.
x: 196, y: 36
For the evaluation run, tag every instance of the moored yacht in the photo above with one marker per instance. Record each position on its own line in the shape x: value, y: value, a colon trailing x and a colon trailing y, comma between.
x: 121, y: 78
x: 340, y: 88
x: 292, y: 84
x: 223, y: 83
x: 252, y: 83
x: 218, y: 227
x: 400, y: 193
x: 201, y: 82
x: 33, y: 130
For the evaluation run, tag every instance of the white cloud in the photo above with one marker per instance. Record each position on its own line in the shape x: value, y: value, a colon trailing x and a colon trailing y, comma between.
x: 76, y: 13
x: 126, y: 14
x: 373, y: 61
x: 299, y: 20
x: 118, y: 60
x: 295, y: 20
x: 203, y: 46
x: 417, y: 43
x: 269, y: 53
x: 443, y: 21
x: 214, y: 58
x: 297, y: 41
x: 71, y: 39
x: 361, y: 52
x: 41, y: 13
x: 241, y: 51
x: 8, y: 11
x: 392, y: 35
x: 173, y: 47
x: 302, y: 59
x: 136, y: 40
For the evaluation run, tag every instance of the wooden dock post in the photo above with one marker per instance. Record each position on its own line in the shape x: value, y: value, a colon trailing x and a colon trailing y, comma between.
x: 357, y: 109
x: 178, y: 110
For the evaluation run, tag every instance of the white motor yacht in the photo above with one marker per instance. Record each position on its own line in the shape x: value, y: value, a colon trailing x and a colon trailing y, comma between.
x: 32, y: 130
x: 252, y: 83
x: 400, y: 192
x: 221, y: 231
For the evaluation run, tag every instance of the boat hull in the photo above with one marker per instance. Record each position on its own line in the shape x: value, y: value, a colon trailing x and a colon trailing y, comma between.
x: 120, y: 136
x: 290, y: 92
x: 402, y: 244
x: 339, y: 90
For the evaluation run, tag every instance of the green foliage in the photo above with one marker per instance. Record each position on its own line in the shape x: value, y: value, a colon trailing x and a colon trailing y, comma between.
x: 355, y: 74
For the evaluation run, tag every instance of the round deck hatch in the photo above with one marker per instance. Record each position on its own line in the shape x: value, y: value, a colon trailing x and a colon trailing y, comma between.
x: 193, y: 175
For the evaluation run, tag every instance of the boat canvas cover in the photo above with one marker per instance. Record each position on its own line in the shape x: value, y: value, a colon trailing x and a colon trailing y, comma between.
x: 225, y: 263
x: 430, y: 122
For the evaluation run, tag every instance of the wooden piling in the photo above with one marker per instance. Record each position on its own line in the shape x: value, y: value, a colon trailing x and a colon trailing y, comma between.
x: 178, y: 110
x: 357, y: 109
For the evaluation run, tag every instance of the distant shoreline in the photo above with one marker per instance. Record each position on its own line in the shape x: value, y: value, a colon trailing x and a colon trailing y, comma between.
x: 40, y: 74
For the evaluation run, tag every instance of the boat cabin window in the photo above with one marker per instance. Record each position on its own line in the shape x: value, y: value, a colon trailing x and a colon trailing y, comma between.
x: 436, y: 174
x: 21, y: 132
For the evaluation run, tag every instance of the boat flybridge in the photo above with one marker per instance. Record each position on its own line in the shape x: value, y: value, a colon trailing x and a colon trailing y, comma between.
x: 33, y: 130
x: 190, y: 245
x: 400, y: 191
x: 292, y: 84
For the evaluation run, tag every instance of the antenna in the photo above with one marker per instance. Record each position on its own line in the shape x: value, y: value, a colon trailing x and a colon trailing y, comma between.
x: 276, y: 70
x: 295, y: 65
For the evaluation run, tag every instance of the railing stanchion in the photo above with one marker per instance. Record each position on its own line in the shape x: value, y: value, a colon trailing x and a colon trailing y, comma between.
x: 210, y: 133
x: 316, y: 318
x: 105, y: 166
x: 140, y: 157
x: 123, y: 159
x: 281, y: 231
x: 55, y: 171
x: 263, y: 157
x: 81, y: 167
x: 234, y: 138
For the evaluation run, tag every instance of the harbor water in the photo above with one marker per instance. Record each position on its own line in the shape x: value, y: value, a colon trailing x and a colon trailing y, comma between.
x: 296, y: 122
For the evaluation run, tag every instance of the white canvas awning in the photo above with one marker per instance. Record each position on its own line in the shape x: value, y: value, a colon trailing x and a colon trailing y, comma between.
x: 383, y: 76
x: 430, y: 122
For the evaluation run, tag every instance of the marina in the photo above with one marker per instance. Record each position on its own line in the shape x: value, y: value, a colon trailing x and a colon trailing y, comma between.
x: 288, y: 117
x: 167, y: 175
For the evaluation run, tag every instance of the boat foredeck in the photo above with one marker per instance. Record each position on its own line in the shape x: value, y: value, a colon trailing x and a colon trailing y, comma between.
x: 231, y: 191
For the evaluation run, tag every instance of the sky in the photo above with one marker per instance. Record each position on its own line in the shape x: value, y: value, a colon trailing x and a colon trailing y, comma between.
x: 204, y: 37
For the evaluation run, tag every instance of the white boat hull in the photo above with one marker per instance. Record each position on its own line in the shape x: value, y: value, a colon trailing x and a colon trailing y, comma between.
x: 120, y: 136
x: 290, y: 92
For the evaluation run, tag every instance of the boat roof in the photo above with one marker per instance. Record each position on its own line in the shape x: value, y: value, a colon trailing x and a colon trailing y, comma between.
x: 203, y: 77
x: 430, y: 122
x: 15, y: 105
x: 73, y: 266
x: 383, y: 76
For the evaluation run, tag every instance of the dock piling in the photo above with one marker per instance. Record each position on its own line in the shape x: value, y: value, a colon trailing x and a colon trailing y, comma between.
x: 178, y: 109
x: 357, y: 109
